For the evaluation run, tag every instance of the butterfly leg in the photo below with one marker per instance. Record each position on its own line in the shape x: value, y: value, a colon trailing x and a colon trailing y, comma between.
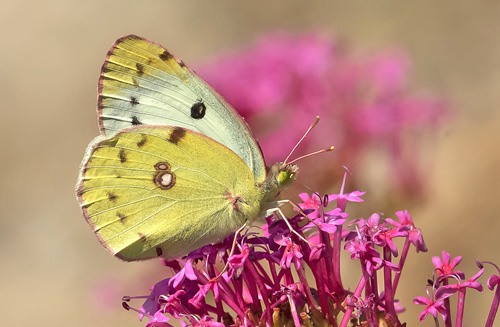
x: 233, y: 247
x: 282, y: 215
x: 299, y: 210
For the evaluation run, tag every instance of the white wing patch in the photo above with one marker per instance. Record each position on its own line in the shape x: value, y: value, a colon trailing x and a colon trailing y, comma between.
x: 143, y: 83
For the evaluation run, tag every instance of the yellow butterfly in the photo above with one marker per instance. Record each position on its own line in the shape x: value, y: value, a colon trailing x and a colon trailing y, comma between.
x: 175, y: 167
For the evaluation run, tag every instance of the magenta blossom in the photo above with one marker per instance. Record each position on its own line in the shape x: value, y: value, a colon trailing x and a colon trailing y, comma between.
x: 405, y: 224
x: 450, y: 289
x: 291, y: 276
x: 267, y: 283
x: 362, y: 101
x: 432, y: 307
x: 445, y: 268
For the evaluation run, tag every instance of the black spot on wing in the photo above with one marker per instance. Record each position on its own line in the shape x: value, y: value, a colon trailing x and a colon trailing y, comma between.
x: 112, y: 196
x: 143, y: 141
x: 121, y: 216
x: 79, y: 192
x: 198, y: 110
x: 166, y: 56
x: 136, y: 121
x: 177, y: 134
x: 134, y: 101
x: 159, y: 251
x: 122, y: 156
x: 140, y: 69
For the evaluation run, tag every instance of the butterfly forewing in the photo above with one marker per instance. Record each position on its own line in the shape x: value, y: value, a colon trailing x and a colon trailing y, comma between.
x: 150, y: 191
x: 143, y: 83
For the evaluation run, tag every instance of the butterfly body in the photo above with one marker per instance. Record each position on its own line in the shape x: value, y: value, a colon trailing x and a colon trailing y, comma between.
x: 175, y: 167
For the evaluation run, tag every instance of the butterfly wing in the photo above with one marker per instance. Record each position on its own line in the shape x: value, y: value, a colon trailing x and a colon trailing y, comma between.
x: 143, y: 83
x: 150, y: 191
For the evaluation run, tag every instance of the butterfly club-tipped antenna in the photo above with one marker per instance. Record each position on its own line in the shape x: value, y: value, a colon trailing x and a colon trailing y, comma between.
x: 286, y: 178
x: 331, y: 148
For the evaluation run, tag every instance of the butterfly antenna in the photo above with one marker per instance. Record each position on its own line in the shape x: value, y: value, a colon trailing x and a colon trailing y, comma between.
x: 316, y: 121
x: 312, y: 153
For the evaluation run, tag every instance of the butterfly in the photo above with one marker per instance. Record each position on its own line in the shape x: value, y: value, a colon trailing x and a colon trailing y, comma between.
x: 175, y: 166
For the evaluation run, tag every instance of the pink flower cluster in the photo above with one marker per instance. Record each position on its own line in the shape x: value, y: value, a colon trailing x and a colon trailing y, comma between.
x: 285, y: 80
x: 448, y: 281
x: 267, y: 283
x: 292, y: 276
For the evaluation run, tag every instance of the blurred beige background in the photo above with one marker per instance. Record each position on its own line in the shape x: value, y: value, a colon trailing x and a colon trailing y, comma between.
x: 52, y: 51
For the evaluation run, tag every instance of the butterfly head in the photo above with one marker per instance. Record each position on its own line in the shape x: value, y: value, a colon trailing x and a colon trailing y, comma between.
x: 279, y: 176
x: 285, y: 174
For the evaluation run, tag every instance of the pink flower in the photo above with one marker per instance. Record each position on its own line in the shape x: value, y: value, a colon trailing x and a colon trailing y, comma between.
x: 386, y: 238
x: 445, y: 268
x: 312, y: 203
x: 186, y: 272
x: 432, y: 307
x: 290, y: 253
x: 406, y: 224
x: 152, y: 303
x: 159, y: 320
x: 208, y: 321
x: 448, y: 290
x: 282, y: 82
x: 198, y: 300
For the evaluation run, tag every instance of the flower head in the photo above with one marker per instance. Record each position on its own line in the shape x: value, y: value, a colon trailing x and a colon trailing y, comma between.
x: 445, y: 268
x: 432, y: 307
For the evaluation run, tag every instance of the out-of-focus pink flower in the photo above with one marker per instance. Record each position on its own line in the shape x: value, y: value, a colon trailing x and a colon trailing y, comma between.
x: 285, y: 80
x: 105, y: 293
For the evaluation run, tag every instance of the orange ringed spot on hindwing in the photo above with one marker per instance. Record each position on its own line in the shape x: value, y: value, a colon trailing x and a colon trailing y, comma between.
x: 162, y: 166
x: 164, y: 178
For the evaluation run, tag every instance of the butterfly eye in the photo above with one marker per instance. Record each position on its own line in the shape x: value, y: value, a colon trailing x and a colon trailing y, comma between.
x: 283, y: 178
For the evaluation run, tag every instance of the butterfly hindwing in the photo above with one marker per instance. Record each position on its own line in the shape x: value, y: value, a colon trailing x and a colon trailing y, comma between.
x: 150, y: 191
x: 143, y: 83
